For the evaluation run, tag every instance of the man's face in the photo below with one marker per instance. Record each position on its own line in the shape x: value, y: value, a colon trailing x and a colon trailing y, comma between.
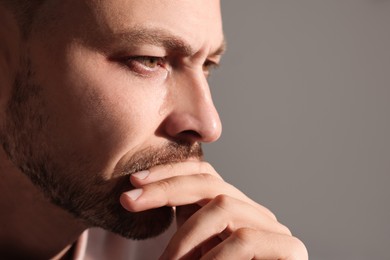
x: 107, y: 88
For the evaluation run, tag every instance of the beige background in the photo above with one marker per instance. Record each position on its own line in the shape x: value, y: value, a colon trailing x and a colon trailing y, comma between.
x: 304, y: 96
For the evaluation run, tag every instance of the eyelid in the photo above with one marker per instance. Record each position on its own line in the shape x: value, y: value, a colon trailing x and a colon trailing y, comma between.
x: 160, y: 60
x: 211, y: 64
x: 135, y: 64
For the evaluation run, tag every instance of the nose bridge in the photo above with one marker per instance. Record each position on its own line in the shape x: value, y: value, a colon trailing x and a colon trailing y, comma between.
x: 197, y: 92
x: 193, y: 107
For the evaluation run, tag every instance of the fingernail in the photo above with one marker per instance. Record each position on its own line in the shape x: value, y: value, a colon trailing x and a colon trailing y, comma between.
x: 134, y: 194
x: 142, y: 174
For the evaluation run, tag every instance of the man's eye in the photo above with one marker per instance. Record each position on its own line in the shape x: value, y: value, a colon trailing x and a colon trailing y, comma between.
x: 149, y: 66
x: 149, y: 61
x: 208, y: 66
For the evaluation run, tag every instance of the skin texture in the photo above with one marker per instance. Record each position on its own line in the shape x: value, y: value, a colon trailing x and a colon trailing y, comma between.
x: 120, y: 88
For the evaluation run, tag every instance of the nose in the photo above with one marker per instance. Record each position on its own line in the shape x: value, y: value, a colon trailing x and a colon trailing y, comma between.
x: 192, y: 116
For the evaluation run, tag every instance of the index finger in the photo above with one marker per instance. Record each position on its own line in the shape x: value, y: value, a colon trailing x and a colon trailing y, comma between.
x: 166, y: 171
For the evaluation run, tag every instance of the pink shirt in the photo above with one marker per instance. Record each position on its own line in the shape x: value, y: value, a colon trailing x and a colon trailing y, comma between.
x: 98, y: 244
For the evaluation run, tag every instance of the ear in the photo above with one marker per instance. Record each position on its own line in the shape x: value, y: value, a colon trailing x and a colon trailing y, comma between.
x: 10, y: 39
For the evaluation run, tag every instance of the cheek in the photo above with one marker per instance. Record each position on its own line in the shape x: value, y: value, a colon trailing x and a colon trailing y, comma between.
x: 100, y: 110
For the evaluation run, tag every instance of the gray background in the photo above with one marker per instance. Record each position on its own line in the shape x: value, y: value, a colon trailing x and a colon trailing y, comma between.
x: 304, y: 95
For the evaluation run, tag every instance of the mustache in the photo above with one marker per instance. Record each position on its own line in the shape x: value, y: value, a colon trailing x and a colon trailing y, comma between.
x: 173, y: 152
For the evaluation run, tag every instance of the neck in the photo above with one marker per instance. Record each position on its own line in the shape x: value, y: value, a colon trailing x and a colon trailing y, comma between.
x: 31, y: 226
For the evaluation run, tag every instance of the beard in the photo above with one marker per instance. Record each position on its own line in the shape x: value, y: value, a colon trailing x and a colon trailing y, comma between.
x: 73, y: 182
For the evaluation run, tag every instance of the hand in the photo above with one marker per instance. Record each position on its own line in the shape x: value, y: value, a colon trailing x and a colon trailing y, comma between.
x: 216, y: 220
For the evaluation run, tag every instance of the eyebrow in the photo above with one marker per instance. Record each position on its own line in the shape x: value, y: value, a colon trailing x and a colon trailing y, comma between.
x: 158, y: 37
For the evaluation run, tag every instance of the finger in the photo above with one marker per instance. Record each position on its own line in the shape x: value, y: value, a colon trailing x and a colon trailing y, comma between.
x: 185, y: 212
x: 248, y: 244
x: 221, y: 216
x: 181, y: 190
x: 161, y: 172
x: 177, y: 191
x: 201, y: 184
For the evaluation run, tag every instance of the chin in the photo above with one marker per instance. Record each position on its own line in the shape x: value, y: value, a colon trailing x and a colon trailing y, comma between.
x: 101, y: 208
x: 144, y: 225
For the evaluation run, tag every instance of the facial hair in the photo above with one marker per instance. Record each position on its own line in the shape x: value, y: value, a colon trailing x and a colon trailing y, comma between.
x: 27, y: 140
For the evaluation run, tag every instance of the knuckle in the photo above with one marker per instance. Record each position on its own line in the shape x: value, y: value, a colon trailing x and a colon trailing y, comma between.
x: 285, y: 230
x: 164, y: 185
x: 222, y: 201
x: 298, y: 250
x: 205, y: 167
x: 243, y: 235
x: 208, y: 178
x: 270, y: 214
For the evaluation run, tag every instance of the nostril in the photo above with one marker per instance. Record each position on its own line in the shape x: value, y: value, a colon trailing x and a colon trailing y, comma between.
x: 189, y: 135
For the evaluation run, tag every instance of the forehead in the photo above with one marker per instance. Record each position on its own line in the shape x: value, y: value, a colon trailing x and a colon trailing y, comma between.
x: 198, y: 22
